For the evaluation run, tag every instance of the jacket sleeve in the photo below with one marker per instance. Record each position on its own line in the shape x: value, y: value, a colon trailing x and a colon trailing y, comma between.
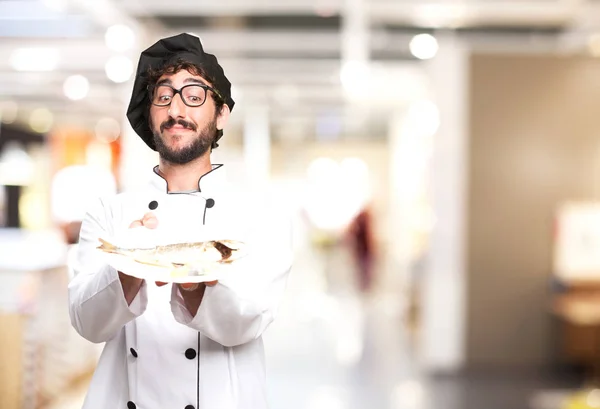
x: 246, y: 300
x: 97, y: 304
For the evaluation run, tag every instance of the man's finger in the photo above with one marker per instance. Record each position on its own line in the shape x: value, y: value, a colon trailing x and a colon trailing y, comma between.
x: 149, y: 215
x: 211, y: 283
x: 135, y: 223
x: 160, y: 283
x: 150, y: 221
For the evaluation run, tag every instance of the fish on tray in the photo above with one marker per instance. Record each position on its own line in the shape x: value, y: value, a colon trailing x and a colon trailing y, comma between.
x: 182, y: 258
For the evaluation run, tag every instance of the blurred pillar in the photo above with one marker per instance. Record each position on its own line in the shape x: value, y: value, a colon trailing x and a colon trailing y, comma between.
x: 355, y: 32
x: 408, y: 164
x: 355, y: 69
x: 257, y: 145
x: 443, y: 289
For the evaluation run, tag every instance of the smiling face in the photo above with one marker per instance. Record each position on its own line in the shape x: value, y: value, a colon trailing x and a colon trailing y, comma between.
x: 183, y: 133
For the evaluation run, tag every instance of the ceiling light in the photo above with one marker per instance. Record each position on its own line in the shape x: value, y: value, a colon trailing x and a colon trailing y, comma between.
x: 41, y: 120
x: 119, y: 38
x: 76, y: 87
x: 34, y: 59
x: 119, y: 68
x: 424, y: 46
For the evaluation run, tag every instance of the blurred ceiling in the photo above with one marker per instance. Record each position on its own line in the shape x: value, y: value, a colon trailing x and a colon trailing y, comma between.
x: 286, y: 54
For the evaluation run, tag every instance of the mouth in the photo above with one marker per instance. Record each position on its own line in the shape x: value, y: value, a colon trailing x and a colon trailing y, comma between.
x: 177, y: 128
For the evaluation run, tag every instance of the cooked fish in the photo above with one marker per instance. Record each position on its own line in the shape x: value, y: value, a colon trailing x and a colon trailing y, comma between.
x: 181, y: 254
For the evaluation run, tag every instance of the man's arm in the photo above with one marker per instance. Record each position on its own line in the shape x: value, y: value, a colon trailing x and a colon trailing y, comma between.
x: 245, y: 301
x: 101, y: 299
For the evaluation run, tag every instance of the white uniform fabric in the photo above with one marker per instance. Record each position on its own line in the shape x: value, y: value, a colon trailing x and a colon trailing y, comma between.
x: 157, y: 356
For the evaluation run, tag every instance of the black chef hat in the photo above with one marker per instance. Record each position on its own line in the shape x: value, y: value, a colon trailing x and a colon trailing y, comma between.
x: 167, y: 51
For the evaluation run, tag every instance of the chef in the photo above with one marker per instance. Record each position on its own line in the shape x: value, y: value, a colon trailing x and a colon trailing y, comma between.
x: 181, y: 346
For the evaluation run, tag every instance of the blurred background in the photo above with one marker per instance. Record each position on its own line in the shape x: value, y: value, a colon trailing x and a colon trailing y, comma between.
x: 441, y: 160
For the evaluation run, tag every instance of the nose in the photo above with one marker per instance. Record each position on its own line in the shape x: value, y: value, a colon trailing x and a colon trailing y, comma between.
x: 177, y: 107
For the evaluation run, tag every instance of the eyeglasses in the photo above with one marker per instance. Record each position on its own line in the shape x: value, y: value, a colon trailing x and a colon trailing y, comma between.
x: 192, y: 95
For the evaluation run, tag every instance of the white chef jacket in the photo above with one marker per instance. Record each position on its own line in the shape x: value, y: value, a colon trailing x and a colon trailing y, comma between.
x: 157, y: 356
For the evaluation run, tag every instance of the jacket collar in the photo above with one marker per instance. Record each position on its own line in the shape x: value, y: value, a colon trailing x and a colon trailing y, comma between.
x: 208, y: 183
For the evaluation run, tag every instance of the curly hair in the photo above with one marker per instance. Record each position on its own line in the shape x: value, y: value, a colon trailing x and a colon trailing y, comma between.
x: 180, y: 64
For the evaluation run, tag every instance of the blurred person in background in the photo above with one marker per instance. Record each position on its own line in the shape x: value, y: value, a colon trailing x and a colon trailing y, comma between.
x: 180, y: 346
x: 362, y: 246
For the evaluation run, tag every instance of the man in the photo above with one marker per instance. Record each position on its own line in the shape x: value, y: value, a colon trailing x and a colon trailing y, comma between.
x: 180, y: 346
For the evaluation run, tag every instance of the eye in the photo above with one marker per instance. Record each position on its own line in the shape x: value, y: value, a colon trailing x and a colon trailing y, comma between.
x: 163, y: 95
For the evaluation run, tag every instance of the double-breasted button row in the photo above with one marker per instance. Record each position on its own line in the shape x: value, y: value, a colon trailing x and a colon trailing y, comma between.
x: 153, y: 205
x: 190, y: 353
x: 131, y: 405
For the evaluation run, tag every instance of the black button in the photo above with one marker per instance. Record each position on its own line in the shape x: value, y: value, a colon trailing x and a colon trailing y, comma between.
x: 190, y: 407
x: 130, y: 405
x: 190, y: 353
x: 133, y: 352
x: 210, y: 203
x: 153, y: 205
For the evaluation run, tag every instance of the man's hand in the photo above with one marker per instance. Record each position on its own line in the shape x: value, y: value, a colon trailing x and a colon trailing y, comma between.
x: 192, y: 294
x: 131, y: 285
x: 190, y: 286
x: 149, y: 220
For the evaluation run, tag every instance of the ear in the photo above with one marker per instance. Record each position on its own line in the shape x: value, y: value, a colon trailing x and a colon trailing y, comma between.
x: 223, y: 117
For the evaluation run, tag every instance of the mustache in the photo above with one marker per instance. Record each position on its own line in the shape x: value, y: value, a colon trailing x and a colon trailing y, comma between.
x: 172, y: 122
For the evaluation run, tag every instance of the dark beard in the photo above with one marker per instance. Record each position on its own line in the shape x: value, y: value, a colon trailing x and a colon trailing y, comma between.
x: 199, y: 146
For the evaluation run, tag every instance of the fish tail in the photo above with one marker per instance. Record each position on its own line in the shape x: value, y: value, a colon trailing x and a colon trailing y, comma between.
x: 108, y: 247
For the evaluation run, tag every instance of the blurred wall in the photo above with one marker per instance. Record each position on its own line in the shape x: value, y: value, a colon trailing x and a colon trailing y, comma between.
x: 534, y: 142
